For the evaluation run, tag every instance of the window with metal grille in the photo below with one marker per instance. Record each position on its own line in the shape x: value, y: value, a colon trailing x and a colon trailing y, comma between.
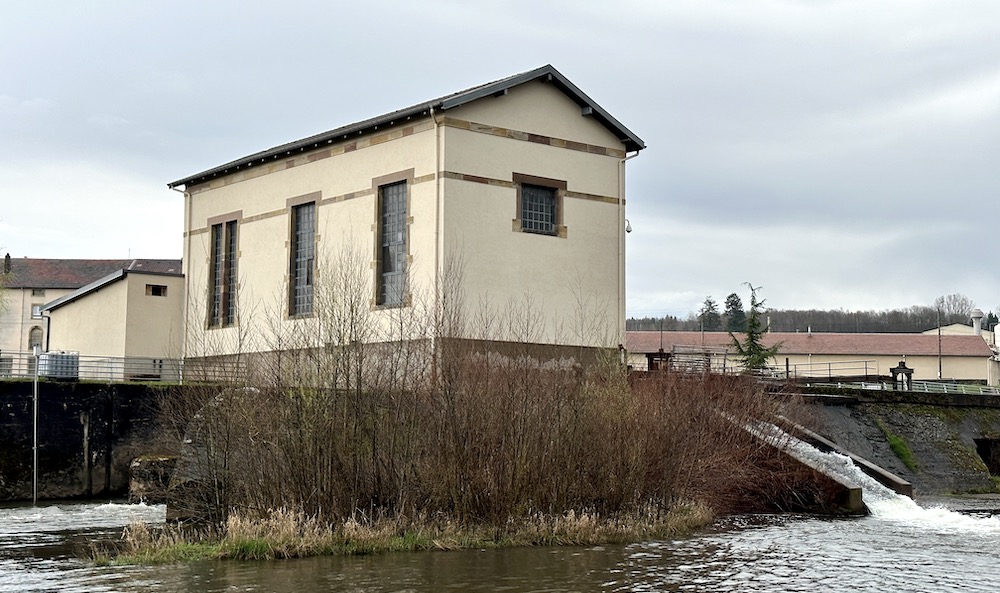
x: 229, y: 299
x: 222, y: 275
x: 302, y: 260
x: 538, y: 209
x: 392, y: 240
x: 157, y: 290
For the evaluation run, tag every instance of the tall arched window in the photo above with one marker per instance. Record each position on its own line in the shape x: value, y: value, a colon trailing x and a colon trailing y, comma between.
x: 35, y: 338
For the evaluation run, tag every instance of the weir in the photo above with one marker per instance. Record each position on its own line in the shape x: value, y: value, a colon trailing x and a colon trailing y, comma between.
x: 860, y: 483
x: 882, y: 475
x: 883, y: 502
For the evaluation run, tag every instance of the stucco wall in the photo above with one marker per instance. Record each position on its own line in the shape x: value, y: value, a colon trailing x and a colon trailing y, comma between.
x: 15, y: 316
x: 924, y: 367
x: 93, y: 325
x: 154, y: 325
x: 343, y: 184
x: 471, y: 223
x: 120, y: 319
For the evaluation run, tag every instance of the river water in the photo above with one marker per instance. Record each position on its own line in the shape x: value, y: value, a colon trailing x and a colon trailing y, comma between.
x: 939, y: 545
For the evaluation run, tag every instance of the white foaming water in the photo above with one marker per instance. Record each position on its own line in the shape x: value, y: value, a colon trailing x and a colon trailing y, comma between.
x: 882, y: 502
x: 75, y: 516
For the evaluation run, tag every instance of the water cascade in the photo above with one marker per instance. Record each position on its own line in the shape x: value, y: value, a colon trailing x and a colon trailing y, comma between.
x: 882, y: 502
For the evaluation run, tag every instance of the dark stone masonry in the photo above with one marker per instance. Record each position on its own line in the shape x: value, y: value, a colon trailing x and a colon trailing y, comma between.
x: 88, y: 434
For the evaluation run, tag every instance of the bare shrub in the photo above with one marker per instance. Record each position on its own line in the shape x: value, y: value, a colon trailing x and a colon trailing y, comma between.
x: 421, y: 413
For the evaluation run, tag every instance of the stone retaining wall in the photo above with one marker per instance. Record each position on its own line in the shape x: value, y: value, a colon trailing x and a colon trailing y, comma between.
x: 88, y: 433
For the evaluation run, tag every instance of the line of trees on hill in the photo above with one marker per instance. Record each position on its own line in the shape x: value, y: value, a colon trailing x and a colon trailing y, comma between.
x: 946, y: 310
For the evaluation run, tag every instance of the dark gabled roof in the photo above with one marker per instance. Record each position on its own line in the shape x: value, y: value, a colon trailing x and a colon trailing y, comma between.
x: 74, y: 273
x: 819, y: 343
x: 546, y: 73
x: 101, y: 283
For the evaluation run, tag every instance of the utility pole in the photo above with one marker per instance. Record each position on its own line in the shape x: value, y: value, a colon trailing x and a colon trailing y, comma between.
x: 939, y: 342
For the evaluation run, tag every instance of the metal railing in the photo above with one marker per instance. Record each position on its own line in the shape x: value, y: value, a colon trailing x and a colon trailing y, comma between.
x: 74, y: 366
x: 919, y: 387
x: 829, y: 370
x: 953, y: 388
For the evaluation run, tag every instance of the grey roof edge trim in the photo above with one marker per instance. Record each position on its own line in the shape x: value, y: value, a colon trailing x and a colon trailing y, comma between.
x: 310, y: 143
x: 83, y: 290
x: 630, y: 140
x: 627, y: 137
x: 99, y: 284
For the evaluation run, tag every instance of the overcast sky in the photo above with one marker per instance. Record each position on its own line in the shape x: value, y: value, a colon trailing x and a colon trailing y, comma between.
x: 840, y: 154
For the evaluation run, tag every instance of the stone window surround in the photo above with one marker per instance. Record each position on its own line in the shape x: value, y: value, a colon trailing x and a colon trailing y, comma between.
x: 406, y: 175
x: 556, y: 184
x: 222, y: 219
x: 290, y: 204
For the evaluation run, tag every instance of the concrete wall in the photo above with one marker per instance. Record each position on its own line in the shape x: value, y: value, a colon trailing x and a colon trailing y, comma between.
x: 941, y: 437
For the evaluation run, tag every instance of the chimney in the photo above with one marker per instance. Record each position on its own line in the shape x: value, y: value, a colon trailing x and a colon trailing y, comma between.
x: 6, y: 264
x: 977, y: 322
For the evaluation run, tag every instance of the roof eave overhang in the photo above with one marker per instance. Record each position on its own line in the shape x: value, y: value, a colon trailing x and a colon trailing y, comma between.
x: 306, y: 144
x: 588, y: 107
x: 548, y: 74
x: 101, y: 283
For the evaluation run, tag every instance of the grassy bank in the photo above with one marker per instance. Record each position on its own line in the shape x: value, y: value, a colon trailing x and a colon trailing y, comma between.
x: 287, y: 534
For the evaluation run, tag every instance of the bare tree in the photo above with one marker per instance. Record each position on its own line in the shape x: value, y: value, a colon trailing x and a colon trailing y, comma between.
x: 954, y: 308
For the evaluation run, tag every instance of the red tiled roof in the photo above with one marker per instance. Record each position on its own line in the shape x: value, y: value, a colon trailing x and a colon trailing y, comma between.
x: 74, y: 273
x: 821, y: 343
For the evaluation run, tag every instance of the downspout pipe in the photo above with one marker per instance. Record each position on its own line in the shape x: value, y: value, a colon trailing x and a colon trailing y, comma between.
x: 48, y: 329
x: 438, y: 265
x: 185, y: 262
x: 437, y: 197
x: 621, y: 246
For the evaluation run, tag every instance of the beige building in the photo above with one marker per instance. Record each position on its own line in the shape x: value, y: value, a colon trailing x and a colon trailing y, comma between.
x: 816, y: 354
x: 28, y: 284
x: 960, y: 329
x: 126, y: 325
x: 495, y: 213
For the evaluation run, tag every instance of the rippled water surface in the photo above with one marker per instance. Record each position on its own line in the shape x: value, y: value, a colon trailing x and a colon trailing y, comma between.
x: 900, y: 547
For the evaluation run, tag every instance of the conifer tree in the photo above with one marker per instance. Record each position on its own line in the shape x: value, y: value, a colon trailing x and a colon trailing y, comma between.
x: 751, y: 349
x: 709, y: 315
x: 736, y: 318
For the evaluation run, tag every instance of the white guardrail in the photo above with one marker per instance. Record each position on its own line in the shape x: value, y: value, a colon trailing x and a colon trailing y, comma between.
x: 74, y: 366
x: 918, y: 387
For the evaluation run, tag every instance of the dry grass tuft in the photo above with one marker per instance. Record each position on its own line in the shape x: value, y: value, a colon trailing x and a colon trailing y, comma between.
x: 282, y: 533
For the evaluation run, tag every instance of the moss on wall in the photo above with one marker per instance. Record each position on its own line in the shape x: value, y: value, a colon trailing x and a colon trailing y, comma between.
x: 931, y: 446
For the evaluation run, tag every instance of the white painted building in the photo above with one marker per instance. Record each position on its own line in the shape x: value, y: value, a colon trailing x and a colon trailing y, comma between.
x: 500, y: 207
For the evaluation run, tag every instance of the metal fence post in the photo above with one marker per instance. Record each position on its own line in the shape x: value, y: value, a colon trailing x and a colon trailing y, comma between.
x: 35, y: 351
